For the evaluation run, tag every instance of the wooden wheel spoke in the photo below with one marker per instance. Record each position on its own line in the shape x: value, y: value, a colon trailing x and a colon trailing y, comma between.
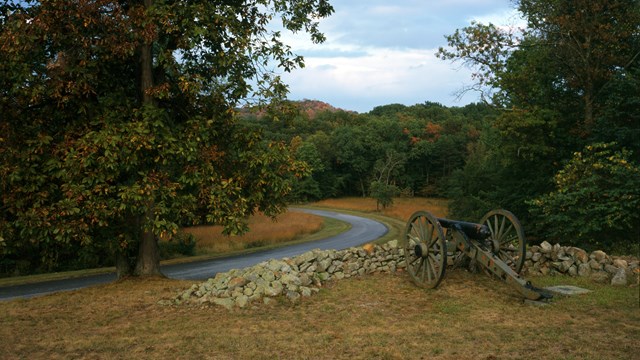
x: 510, y: 241
x: 427, y: 270
x: 432, y: 263
x: 419, y: 266
x: 415, y: 232
x: 432, y: 242
x: 421, y: 230
x: 508, y: 232
x: 507, y: 237
x: 424, y: 231
x: 500, y: 231
x: 488, y: 223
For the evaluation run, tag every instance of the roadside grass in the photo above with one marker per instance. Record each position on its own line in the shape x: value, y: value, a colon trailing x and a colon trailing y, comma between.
x: 289, y: 228
x: 401, y: 209
x: 264, y: 231
x: 380, y: 316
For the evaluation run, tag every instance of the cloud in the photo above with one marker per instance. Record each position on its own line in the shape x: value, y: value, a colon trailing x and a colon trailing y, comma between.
x: 380, y: 77
x: 380, y: 52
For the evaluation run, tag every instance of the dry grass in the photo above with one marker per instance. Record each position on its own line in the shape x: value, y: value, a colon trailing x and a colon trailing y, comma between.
x: 470, y: 316
x: 373, y: 317
x: 263, y: 232
x: 401, y: 209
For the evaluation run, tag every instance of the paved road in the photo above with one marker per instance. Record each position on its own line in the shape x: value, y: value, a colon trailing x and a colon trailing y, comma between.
x: 362, y: 231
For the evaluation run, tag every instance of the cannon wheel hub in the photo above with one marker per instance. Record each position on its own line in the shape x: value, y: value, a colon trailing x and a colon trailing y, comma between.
x: 421, y: 250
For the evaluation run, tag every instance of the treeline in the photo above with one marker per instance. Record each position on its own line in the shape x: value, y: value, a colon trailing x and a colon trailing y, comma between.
x: 409, y: 150
x: 479, y: 156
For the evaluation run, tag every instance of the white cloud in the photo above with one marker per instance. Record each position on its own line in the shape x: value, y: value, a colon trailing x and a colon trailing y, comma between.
x: 380, y: 77
x: 507, y: 19
x: 380, y: 52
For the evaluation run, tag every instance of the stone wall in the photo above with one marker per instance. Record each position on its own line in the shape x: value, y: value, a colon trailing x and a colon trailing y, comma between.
x: 304, y: 275
x: 600, y: 267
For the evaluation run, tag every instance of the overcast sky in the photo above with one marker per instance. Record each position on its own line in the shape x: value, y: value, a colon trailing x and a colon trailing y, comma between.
x: 381, y: 52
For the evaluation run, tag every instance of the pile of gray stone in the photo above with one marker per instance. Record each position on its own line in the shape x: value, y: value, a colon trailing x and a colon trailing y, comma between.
x: 292, y: 278
x: 303, y: 275
x: 555, y: 259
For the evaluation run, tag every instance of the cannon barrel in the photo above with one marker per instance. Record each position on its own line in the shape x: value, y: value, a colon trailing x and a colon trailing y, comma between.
x: 472, y: 230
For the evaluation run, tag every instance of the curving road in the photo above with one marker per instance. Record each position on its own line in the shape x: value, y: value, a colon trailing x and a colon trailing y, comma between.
x: 362, y: 231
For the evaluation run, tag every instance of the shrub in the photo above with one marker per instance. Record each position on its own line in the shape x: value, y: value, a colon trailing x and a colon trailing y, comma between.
x: 596, y: 201
x: 181, y: 244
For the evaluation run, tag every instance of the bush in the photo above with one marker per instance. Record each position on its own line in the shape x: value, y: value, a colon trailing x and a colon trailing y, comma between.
x: 181, y: 244
x: 596, y: 201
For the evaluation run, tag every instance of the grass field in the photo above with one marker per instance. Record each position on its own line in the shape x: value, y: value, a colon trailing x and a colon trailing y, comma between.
x: 380, y: 316
x: 264, y: 231
x: 401, y: 209
x: 470, y: 316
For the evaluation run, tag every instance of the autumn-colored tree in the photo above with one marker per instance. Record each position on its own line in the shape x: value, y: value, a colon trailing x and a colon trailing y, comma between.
x: 118, y: 126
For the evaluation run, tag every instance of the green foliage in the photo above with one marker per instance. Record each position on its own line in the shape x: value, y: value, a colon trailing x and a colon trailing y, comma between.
x: 183, y: 244
x: 118, y: 123
x: 569, y: 79
x: 484, y: 47
x: 308, y: 187
x: 383, y: 193
x: 596, y: 200
x: 414, y: 147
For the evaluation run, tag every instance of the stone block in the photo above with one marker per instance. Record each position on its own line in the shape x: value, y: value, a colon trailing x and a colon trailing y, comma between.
x: 545, y: 247
x: 599, y: 255
x: 620, y: 263
x: 620, y: 278
x: 600, y: 277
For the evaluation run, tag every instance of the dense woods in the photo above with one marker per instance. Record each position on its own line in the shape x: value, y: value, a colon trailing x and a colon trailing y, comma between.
x: 405, y: 150
x: 122, y: 121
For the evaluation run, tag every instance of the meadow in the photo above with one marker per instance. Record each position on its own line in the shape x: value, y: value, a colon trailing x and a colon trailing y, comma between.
x: 378, y: 316
x: 264, y: 231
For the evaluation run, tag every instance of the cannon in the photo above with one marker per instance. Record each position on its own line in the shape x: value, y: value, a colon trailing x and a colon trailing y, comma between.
x: 497, y: 245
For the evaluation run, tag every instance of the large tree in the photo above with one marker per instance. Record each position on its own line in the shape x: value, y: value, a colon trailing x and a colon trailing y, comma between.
x: 569, y: 52
x: 566, y: 80
x: 118, y: 124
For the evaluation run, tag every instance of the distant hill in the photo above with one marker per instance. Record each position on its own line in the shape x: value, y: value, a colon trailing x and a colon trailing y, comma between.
x: 310, y: 107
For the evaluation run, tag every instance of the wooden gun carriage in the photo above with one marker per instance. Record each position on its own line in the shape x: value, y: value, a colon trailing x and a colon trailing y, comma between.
x: 497, y: 245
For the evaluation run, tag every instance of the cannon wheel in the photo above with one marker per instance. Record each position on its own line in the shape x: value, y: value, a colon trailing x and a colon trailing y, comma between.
x: 507, y: 237
x: 425, y: 250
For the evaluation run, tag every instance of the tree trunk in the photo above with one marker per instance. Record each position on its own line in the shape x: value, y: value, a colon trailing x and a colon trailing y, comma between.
x: 588, y: 113
x: 148, y: 260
